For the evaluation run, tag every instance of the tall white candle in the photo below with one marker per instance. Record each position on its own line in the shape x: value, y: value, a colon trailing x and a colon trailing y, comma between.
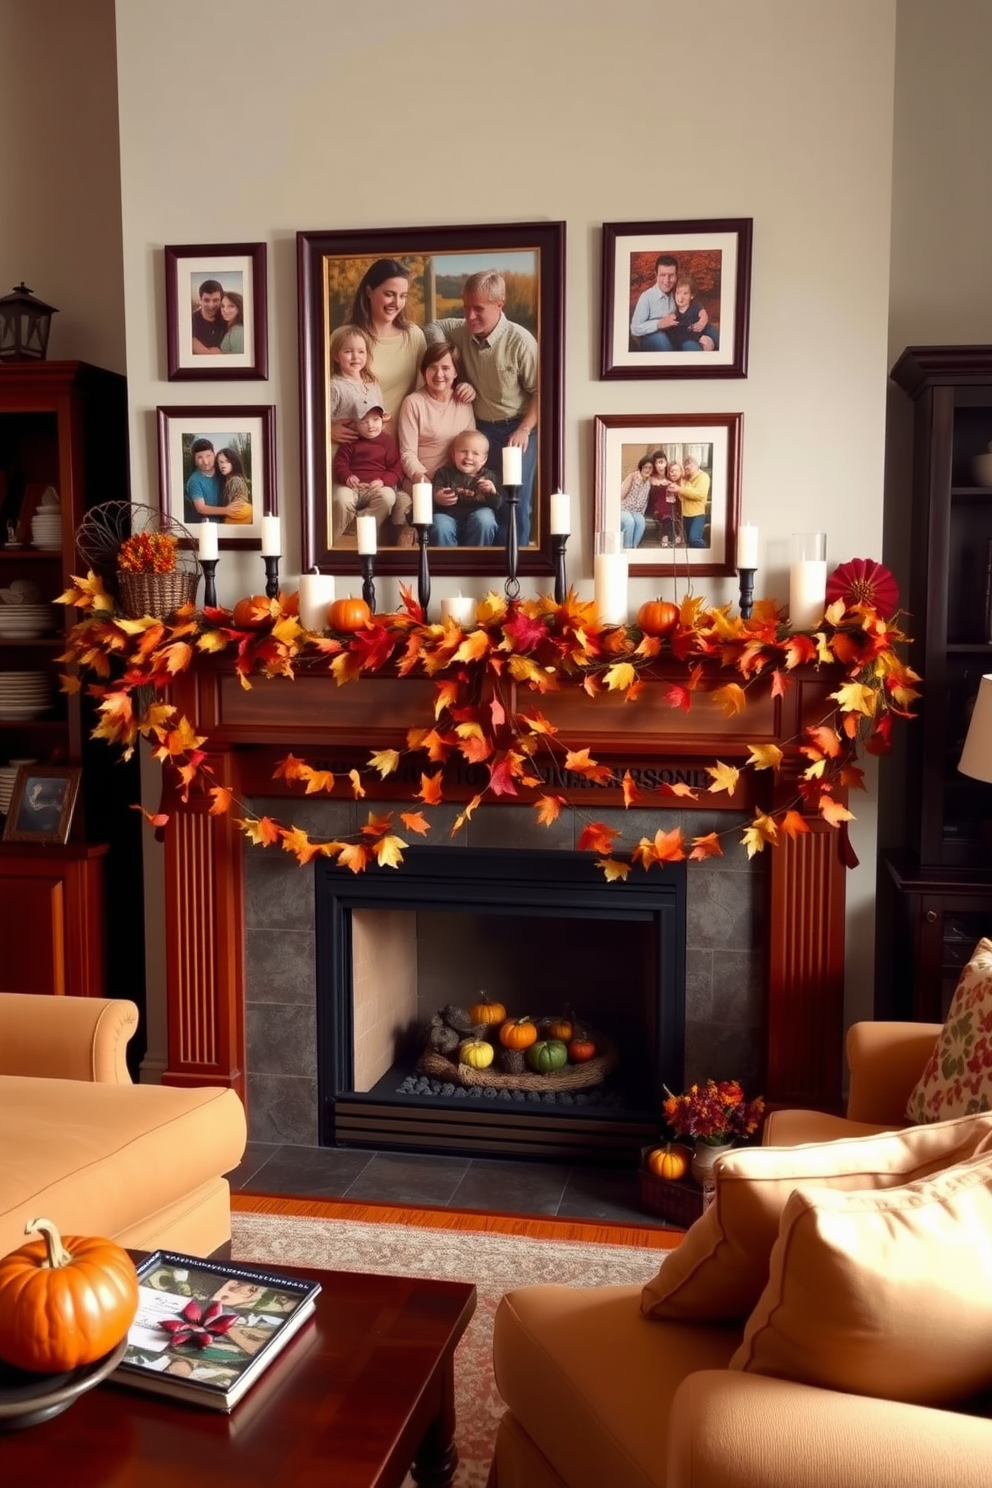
x: 808, y: 579
x: 610, y: 578
x: 316, y: 594
x: 271, y: 537
x: 561, y: 513
x: 512, y: 465
x: 460, y: 608
x: 423, y: 503
x: 747, y: 546
x: 365, y: 530
x: 207, y: 543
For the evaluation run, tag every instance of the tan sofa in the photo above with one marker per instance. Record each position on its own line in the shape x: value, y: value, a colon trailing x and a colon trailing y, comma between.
x: 598, y: 1396
x: 83, y: 1146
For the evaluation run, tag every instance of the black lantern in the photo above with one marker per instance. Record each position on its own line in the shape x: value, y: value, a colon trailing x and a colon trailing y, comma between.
x: 24, y: 326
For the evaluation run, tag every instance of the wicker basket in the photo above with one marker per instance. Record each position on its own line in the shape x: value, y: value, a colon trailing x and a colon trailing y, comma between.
x: 573, y: 1077
x: 158, y: 595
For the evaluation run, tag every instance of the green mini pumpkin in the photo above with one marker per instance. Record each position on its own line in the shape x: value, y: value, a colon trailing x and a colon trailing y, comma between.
x: 547, y: 1055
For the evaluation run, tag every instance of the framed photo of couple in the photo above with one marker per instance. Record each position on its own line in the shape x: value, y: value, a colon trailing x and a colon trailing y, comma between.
x: 455, y: 334
x: 218, y: 465
x: 215, y: 311
x: 676, y: 298
x: 671, y: 484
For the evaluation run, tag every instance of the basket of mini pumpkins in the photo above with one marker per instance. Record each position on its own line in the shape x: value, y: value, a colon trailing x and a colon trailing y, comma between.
x: 480, y: 1046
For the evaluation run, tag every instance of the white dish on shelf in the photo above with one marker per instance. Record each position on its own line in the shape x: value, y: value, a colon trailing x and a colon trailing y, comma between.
x: 27, y: 589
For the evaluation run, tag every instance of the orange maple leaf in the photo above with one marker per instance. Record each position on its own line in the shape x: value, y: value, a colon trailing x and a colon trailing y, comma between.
x: 296, y: 841
x: 154, y: 819
x: 706, y: 847
x: 376, y: 826
x: 631, y: 793
x: 597, y: 837
x: 357, y: 788
x: 663, y: 847
x: 731, y: 698
x: 262, y: 830
x: 579, y: 762
x: 222, y: 797
x: 548, y: 809
x: 354, y: 856
x: 430, y: 789
x: 793, y: 825
x: 464, y: 816
x: 833, y: 812
x: 415, y: 821
x: 679, y: 788
x: 319, y: 780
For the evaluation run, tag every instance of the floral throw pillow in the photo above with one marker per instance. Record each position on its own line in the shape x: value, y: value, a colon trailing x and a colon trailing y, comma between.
x: 957, y: 1080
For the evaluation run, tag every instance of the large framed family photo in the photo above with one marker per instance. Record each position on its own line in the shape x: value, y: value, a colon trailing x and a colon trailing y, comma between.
x: 671, y: 485
x: 218, y: 465
x: 215, y: 311
x: 676, y: 298
x: 431, y: 358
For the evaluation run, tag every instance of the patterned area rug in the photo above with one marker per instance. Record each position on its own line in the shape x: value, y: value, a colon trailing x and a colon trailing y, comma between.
x: 495, y: 1263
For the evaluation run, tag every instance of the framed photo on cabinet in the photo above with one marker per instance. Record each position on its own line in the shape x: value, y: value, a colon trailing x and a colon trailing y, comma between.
x: 215, y: 309
x: 42, y: 803
x: 676, y: 298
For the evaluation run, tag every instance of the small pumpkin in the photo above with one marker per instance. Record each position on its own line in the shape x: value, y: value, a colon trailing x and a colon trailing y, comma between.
x: 557, y: 1028
x: 476, y: 1053
x: 252, y: 612
x: 64, y: 1303
x: 581, y: 1048
x: 657, y: 617
x: 670, y: 1162
x: 547, y: 1055
x: 347, y: 615
x: 518, y: 1033
x: 486, y: 1012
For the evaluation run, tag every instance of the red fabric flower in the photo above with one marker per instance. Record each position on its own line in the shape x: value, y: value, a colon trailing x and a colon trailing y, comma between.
x: 198, y: 1325
x: 862, y: 581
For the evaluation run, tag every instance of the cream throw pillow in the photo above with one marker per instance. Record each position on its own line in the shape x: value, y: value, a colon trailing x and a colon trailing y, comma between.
x: 886, y: 1293
x: 718, y: 1272
x: 957, y: 1079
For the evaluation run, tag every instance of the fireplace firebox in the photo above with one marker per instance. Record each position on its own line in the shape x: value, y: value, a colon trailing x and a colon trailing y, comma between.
x: 538, y: 931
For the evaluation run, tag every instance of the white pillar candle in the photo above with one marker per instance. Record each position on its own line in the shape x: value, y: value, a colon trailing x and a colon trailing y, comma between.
x: 365, y: 529
x: 423, y: 503
x: 271, y: 537
x: 747, y: 546
x: 610, y: 578
x: 561, y: 513
x: 316, y: 594
x: 808, y: 579
x: 460, y: 608
x: 207, y: 543
x: 512, y: 465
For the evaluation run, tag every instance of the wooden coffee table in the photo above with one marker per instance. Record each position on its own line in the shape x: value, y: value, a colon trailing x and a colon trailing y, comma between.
x: 363, y: 1395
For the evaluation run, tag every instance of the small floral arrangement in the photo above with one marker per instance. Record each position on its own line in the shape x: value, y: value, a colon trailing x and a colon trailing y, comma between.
x: 147, y: 553
x: 198, y: 1326
x: 714, y: 1112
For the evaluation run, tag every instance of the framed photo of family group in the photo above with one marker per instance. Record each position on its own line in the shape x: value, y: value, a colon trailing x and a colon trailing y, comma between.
x: 671, y: 484
x: 388, y: 297
x: 676, y: 298
x: 215, y: 309
x: 218, y: 465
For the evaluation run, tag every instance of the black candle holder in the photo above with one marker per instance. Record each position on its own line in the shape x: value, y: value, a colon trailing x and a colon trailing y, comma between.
x: 559, y: 541
x: 209, y: 566
x: 424, y: 576
x: 271, y: 574
x: 366, y: 562
x: 746, y: 576
x: 512, y: 585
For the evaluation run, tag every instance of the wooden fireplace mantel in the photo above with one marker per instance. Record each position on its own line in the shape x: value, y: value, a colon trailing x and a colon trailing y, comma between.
x: 248, y: 730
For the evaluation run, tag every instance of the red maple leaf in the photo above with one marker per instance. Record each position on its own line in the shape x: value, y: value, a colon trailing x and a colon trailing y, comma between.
x: 525, y: 632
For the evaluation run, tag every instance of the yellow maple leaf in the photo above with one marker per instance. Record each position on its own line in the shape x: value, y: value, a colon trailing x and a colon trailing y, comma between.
x: 854, y: 697
x: 175, y: 657
x: 620, y: 676
x: 385, y: 761
x: 833, y: 812
x: 764, y: 756
x: 465, y: 815
x: 613, y: 869
x: 211, y: 640
x: 490, y: 609
x: 678, y: 788
x: 760, y: 831
x: 447, y: 697
x: 732, y: 699
x: 356, y: 784
x: 548, y: 809
x: 353, y: 855
x: 522, y: 669
x: 725, y: 778
x: 262, y: 830
x: 835, y: 613
x: 389, y: 851
x: 297, y: 842
x: 473, y: 646
x: 415, y: 821
x: 319, y: 780
x: 69, y: 684
x: 815, y: 769
x: 537, y: 723
x: 346, y: 667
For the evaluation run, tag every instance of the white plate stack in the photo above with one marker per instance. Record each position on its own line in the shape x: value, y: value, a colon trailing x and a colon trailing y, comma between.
x: 24, y: 695
x: 8, y: 774
x: 22, y: 622
x: 46, y: 528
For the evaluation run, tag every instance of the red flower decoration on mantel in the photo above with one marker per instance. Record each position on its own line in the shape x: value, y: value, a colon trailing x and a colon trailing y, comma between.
x: 198, y: 1325
x: 862, y: 581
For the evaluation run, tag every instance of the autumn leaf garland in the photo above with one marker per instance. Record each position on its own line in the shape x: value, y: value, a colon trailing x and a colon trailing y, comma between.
x: 538, y: 644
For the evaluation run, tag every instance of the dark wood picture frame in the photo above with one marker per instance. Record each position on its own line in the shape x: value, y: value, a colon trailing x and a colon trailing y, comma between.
x: 42, y: 803
x: 715, y: 255
x: 622, y: 440
x: 345, y: 256
x: 178, y: 427
x: 236, y: 267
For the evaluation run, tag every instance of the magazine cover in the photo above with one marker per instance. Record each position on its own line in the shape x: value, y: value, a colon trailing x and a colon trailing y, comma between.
x: 205, y: 1330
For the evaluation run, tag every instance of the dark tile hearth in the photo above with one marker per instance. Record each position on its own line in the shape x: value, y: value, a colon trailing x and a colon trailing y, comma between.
x: 543, y: 1190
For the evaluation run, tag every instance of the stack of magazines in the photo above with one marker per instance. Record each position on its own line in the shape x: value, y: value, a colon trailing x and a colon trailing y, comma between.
x: 206, y: 1330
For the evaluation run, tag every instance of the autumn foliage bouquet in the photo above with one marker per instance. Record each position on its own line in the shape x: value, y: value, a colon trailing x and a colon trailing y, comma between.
x: 714, y: 1112
x: 147, y: 553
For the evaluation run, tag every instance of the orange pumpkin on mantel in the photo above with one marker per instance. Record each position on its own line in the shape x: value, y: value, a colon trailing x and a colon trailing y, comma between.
x: 252, y: 612
x: 657, y: 617
x: 347, y: 615
x: 64, y: 1303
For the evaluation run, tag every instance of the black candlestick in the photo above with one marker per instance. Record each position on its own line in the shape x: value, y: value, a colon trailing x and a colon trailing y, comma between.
x: 512, y: 585
x: 558, y: 542
x: 209, y: 566
x: 424, y: 578
x: 367, y: 564
x: 746, y: 576
x: 271, y: 574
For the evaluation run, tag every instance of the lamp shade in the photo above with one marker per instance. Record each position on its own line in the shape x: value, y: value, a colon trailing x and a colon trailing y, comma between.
x: 976, y: 756
x: 25, y: 322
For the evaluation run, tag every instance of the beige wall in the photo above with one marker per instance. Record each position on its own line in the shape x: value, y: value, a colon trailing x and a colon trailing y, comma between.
x: 60, y: 219
x: 451, y: 112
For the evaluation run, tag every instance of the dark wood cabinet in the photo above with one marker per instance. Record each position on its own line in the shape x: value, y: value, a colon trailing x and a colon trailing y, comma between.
x: 935, y: 879
x: 52, y: 919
